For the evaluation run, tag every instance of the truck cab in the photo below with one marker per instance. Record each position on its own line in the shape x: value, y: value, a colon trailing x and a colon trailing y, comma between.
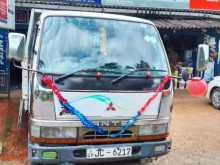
x: 107, y: 67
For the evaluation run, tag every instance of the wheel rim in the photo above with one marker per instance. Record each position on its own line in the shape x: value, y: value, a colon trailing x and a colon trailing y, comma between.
x: 216, y: 99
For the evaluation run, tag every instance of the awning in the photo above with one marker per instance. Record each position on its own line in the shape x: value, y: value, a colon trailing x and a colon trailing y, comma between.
x: 138, y: 5
x: 211, y: 5
x: 186, y: 24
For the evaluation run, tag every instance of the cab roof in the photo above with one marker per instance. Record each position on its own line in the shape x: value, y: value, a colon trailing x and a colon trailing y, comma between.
x: 46, y: 13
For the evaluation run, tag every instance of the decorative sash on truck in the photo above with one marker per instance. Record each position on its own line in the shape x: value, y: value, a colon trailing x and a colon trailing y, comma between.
x: 90, y: 124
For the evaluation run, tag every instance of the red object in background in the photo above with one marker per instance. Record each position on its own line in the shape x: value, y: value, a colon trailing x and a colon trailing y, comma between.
x: 3, y: 10
x: 99, y: 75
x: 205, y: 4
x: 197, y: 87
x: 148, y: 75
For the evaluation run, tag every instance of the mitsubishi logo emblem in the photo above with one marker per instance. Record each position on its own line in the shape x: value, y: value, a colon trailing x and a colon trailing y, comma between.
x: 111, y: 107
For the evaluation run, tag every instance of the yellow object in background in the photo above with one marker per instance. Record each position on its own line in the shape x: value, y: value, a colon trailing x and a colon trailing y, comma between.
x: 218, y: 60
x: 190, y: 71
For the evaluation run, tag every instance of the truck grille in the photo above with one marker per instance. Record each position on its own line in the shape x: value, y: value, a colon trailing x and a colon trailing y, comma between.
x: 91, y: 134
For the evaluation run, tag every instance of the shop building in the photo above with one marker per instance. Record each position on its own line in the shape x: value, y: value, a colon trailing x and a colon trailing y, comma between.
x: 7, y: 21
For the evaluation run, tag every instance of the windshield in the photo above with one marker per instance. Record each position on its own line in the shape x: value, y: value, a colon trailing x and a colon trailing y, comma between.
x: 75, y: 43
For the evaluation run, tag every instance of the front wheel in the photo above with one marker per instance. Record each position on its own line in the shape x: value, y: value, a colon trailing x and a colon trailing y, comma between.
x: 215, y: 98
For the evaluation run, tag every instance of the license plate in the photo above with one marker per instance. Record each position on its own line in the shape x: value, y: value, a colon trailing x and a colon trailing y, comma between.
x: 114, y: 152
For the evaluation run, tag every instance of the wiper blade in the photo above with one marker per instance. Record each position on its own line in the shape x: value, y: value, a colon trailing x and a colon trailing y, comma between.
x: 64, y: 76
x: 115, y: 81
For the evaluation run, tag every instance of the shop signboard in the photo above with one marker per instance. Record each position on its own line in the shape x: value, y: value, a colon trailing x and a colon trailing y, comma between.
x: 96, y: 2
x: 7, y: 14
x: 3, y: 50
x: 7, y: 21
x: 167, y: 4
x: 3, y: 10
x: 4, y: 64
x: 205, y: 4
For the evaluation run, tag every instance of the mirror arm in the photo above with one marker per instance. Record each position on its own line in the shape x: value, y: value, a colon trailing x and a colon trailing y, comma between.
x: 27, y: 69
x: 177, y: 77
x: 31, y: 70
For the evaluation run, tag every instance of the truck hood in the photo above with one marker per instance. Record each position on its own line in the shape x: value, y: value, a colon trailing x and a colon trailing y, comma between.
x: 100, y: 105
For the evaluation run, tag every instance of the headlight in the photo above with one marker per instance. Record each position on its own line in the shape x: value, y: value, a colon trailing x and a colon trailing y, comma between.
x: 153, y: 129
x: 53, y: 132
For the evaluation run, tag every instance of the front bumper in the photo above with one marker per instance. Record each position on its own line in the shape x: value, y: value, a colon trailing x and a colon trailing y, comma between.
x: 77, y: 154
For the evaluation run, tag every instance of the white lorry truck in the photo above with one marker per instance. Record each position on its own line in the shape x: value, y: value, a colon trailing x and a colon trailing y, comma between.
x: 107, y: 67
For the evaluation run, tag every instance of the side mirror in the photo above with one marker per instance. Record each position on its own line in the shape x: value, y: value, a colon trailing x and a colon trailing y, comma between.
x: 16, y: 46
x: 202, y: 57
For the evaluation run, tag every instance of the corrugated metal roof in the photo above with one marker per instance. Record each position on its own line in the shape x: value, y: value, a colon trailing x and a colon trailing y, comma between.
x: 160, y: 23
x: 71, y: 5
x: 186, y: 24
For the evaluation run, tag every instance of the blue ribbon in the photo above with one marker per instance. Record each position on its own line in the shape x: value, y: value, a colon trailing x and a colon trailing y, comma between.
x: 89, y: 124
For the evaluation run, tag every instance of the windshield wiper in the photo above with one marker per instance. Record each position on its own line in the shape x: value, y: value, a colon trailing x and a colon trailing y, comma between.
x: 115, y: 81
x: 64, y: 76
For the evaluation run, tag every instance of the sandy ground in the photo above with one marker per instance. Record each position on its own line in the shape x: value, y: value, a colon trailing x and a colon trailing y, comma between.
x: 195, y: 133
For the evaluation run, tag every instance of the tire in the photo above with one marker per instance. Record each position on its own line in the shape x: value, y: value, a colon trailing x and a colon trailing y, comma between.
x: 215, y: 98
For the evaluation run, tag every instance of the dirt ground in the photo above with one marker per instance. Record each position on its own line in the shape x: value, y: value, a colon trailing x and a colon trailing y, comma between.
x: 195, y: 133
x: 14, y: 140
